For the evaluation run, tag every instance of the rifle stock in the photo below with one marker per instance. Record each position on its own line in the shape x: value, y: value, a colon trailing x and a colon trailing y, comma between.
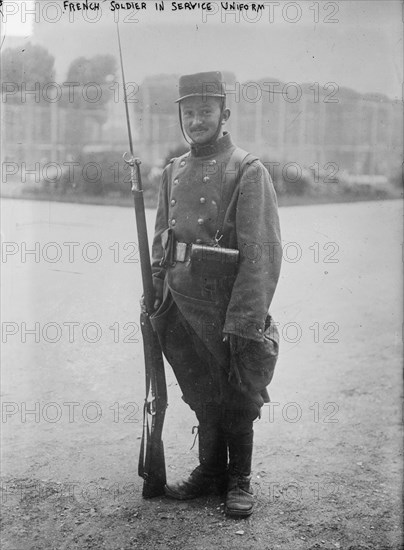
x: 151, y: 459
x: 151, y: 465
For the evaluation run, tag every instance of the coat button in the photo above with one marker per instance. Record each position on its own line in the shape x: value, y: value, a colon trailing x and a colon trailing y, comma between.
x: 200, y: 221
x: 206, y: 179
x: 173, y: 222
x: 173, y: 201
x: 212, y: 162
x: 202, y: 200
x: 176, y: 181
x: 182, y: 163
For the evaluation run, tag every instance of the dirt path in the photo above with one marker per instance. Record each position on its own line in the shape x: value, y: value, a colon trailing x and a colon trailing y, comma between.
x: 327, y: 464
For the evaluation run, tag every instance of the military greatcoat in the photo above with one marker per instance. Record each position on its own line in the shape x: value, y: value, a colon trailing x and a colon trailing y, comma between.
x: 203, y: 201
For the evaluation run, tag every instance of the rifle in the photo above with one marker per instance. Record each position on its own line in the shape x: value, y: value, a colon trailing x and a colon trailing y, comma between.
x: 151, y: 459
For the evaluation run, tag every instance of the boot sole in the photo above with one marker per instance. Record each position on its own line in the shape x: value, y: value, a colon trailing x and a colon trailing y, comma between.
x: 214, y: 489
x: 238, y: 513
x: 176, y: 496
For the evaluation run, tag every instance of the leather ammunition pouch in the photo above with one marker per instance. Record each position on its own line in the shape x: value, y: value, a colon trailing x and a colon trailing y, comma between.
x: 167, y: 242
x: 210, y: 261
x: 214, y: 261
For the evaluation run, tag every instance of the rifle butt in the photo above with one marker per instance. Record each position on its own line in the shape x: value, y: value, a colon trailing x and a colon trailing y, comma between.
x: 155, y: 476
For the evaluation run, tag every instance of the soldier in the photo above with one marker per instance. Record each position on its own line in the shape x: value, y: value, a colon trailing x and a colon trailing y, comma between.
x: 216, y: 263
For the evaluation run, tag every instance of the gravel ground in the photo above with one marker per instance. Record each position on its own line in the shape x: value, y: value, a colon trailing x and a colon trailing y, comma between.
x: 327, y: 463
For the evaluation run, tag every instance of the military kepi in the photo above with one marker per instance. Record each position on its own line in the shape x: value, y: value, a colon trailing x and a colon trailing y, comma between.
x: 208, y: 84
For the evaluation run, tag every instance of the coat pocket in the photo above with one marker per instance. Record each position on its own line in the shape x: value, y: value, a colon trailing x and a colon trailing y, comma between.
x: 159, y: 318
x: 254, y: 366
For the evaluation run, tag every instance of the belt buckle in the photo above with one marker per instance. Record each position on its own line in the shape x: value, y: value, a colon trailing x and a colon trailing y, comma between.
x: 180, y: 251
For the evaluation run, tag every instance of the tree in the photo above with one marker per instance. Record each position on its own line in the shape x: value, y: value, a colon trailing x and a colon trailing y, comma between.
x: 93, y: 78
x: 100, y: 70
x: 28, y: 65
x: 95, y: 69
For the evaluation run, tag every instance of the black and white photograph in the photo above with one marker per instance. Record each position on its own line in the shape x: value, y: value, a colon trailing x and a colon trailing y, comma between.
x: 201, y: 275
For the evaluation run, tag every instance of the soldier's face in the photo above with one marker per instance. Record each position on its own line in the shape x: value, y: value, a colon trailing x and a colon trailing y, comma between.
x: 201, y: 118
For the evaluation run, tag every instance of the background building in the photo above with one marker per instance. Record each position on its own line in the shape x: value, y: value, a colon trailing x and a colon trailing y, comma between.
x: 280, y: 122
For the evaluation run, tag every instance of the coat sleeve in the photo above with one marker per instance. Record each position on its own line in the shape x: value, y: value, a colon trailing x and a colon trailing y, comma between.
x: 161, y: 225
x: 259, y: 243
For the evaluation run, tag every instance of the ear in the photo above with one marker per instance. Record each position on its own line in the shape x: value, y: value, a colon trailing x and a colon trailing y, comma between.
x: 225, y: 116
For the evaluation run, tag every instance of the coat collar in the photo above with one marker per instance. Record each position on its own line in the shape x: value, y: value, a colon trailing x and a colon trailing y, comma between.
x: 210, y: 149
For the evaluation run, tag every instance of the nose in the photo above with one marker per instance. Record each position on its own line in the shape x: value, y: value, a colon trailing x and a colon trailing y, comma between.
x: 196, y: 121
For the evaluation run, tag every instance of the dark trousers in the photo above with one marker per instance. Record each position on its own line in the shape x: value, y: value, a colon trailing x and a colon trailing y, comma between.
x: 203, y: 382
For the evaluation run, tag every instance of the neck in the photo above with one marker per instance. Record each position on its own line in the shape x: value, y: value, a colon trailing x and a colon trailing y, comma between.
x: 213, y: 147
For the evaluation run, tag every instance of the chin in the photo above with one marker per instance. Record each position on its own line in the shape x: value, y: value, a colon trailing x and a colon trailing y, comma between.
x: 201, y: 140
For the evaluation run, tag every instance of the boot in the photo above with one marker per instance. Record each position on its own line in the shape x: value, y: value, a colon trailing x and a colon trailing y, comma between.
x: 210, y: 477
x: 240, y: 499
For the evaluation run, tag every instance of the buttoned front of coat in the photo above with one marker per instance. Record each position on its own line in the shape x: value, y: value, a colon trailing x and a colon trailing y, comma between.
x: 195, y: 198
x: 195, y: 189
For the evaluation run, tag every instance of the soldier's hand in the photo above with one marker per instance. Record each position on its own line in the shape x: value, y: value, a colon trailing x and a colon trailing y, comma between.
x: 156, y: 304
x: 237, y: 344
